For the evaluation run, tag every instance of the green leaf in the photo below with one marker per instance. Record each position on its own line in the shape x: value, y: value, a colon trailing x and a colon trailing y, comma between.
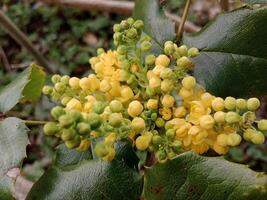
x: 13, y: 142
x: 66, y: 156
x: 157, y: 25
x: 6, y: 188
x: 194, y: 177
x: 255, y: 1
x: 27, y: 86
x: 89, y: 180
x: 233, y: 58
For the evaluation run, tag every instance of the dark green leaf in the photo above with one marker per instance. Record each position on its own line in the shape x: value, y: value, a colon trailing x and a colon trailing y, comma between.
x: 233, y: 57
x: 157, y: 25
x: 90, y: 180
x: 28, y: 85
x: 13, y: 142
x: 6, y: 188
x: 194, y: 177
x: 66, y: 156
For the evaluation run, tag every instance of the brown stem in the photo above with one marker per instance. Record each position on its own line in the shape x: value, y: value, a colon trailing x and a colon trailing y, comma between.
x: 181, y: 25
x: 4, y: 60
x: 224, y: 5
x: 22, y: 39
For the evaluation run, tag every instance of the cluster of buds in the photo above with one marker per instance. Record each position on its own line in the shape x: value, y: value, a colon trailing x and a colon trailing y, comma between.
x: 149, y: 99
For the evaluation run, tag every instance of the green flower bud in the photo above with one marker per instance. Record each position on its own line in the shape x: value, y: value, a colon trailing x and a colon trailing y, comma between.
x: 170, y: 133
x: 157, y: 140
x: 122, y: 49
x: 248, y: 118
x: 232, y: 117
x: 166, y: 73
x: 116, y: 106
x: 262, y: 125
x: 154, y: 116
x: 83, y: 128
x: 68, y: 134
x: 171, y: 154
x: 258, y: 138
x: 219, y: 117
x: 185, y: 62
x: 169, y: 49
x: 124, y: 24
x: 230, y: 103
x: 99, y: 107
x: 132, y: 33
x: 177, y: 146
x: 94, y: 120
x: 65, y: 100
x: 131, y: 79
x: 50, y: 128
x: 101, y: 150
x: 65, y: 121
x: 193, y: 52
x: 161, y: 156
x: 75, y: 115
x: 182, y: 50
x: 160, y: 122
x: 99, y: 51
x: 73, y: 143
x: 60, y: 87
x: 65, y: 79
x: 130, y: 21
x: 117, y: 28
x: 253, y: 104
x: 138, y: 124
x: 56, y: 78
x: 115, y: 119
x: 57, y: 111
x: 150, y: 59
x: 117, y: 36
x: 47, y: 90
x: 138, y: 24
x: 125, y: 64
x: 176, y: 54
x: 241, y: 104
x: 146, y: 46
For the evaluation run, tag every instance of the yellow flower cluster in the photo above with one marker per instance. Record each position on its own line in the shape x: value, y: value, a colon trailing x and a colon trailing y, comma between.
x: 149, y: 99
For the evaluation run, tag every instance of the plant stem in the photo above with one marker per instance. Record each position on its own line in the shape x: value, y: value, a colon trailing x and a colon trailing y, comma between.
x: 22, y: 39
x: 224, y: 5
x: 33, y: 122
x: 182, y: 23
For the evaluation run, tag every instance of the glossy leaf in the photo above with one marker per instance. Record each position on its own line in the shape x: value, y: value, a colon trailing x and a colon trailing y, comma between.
x: 233, y: 53
x: 27, y: 86
x: 66, y: 156
x: 194, y: 177
x: 255, y: 1
x: 13, y: 142
x: 157, y: 25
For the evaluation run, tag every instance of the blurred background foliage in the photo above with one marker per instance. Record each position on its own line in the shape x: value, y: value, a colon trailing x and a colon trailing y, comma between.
x: 69, y: 37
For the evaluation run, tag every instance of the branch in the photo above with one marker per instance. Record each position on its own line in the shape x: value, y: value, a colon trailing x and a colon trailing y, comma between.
x: 4, y: 60
x: 224, y: 5
x: 33, y: 122
x: 119, y: 7
x: 181, y: 25
x: 22, y: 39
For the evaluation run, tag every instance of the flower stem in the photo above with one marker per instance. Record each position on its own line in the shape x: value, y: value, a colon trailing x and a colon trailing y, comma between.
x: 182, y: 23
x: 34, y: 123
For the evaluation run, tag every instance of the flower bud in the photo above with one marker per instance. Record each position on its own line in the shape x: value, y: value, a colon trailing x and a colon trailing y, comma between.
x: 127, y: 93
x: 116, y: 106
x: 168, y: 101
x: 74, y: 104
x: 241, y: 104
x: 161, y: 156
x: 98, y: 107
x: 94, y: 82
x: 66, y: 121
x: 160, y: 122
x: 110, y: 139
x: 217, y: 104
x: 185, y: 62
x: 73, y: 143
x: 206, y: 122
x: 154, y: 116
x: 253, y: 104
x: 162, y: 60
x: 154, y: 82
x: 262, y: 125
x: 248, y: 134
x: 132, y: 33
x: 56, y: 78
x: 189, y: 82
x: 177, y: 146
x: 170, y: 133
x: 60, y: 87
x: 47, y: 90
x: 105, y: 86
x: 93, y: 61
x: 166, y: 73
x: 115, y: 119
x: 169, y: 49
x: 122, y: 49
x: 146, y: 46
x: 185, y: 94
x: 83, y: 128
x: 152, y: 104
x: 65, y: 100
x: 50, y: 128
x: 157, y: 140
x: 84, y: 145
x: 150, y: 59
x: 85, y: 83
x: 142, y: 142
x: 258, y: 138
x: 233, y: 139
x: 232, y: 117
x: 230, y: 103
x: 93, y: 119
x: 222, y: 140
x: 111, y: 154
x: 74, y: 83
x: 182, y: 50
x: 57, y: 111
x: 65, y: 79
x: 219, y: 117
x: 101, y: 150
x: 180, y: 112
x: 167, y: 86
x: 117, y: 28
x: 68, y: 134
x: 193, y: 52
x: 138, y: 124
x: 135, y: 108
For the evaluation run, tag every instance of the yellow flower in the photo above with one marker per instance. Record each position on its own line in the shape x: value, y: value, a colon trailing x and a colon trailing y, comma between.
x: 222, y: 140
x: 126, y: 94
x: 135, y: 108
x: 115, y: 89
x: 162, y: 60
x: 138, y: 124
x: 152, y: 104
x: 166, y: 85
x: 94, y: 82
x: 158, y: 69
x: 84, y: 145
x: 74, y: 104
x: 93, y: 61
x: 85, y: 83
x: 166, y: 113
x: 74, y: 83
x: 217, y: 104
x: 186, y: 94
x: 154, y: 82
x: 134, y: 68
x: 180, y: 112
x: 189, y: 82
x: 197, y: 110
x: 206, y: 121
x: 220, y: 149
x: 219, y: 117
x: 194, y: 130
x: 206, y: 99
x: 105, y: 86
x: 142, y: 142
x: 110, y: 139
x: 168, y: 101
x: 233, y: 139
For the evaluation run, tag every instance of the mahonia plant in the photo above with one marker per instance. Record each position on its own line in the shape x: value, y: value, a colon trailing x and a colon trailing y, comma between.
x: 149, y: 99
